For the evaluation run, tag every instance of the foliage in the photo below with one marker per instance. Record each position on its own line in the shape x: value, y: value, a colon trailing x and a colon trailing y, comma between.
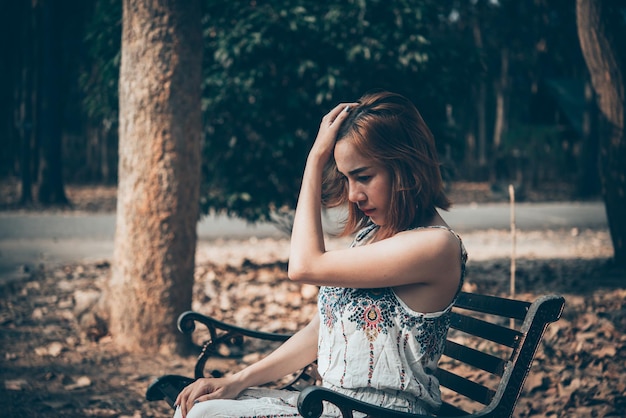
x: 274, y: 69
x: 103, y: 43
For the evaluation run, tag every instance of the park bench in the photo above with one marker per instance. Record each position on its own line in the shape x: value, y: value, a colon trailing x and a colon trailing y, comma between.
x: 488, y: 354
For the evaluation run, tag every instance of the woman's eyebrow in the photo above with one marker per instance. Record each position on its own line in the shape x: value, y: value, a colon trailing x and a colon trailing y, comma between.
x: 357, y: 171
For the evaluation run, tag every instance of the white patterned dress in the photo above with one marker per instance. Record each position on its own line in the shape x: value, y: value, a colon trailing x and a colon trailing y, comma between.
x: 371, y: 346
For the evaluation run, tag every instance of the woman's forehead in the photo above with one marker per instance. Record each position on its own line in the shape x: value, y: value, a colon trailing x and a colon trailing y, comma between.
x: 348, y: 158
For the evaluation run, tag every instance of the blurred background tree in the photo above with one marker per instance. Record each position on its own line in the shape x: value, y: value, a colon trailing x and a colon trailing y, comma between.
x: 602, y: 33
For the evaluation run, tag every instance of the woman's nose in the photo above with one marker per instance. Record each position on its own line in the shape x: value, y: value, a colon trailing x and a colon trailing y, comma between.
x: 355, y: 195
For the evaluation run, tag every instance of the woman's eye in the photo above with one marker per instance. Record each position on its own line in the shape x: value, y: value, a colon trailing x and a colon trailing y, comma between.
x: 363, y: 179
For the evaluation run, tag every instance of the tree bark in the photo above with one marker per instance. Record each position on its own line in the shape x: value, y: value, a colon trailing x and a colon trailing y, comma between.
x: 601, y: 32
x: 159, y: 173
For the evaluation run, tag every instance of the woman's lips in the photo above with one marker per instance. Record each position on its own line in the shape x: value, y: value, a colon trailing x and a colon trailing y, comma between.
x: 368, y: 212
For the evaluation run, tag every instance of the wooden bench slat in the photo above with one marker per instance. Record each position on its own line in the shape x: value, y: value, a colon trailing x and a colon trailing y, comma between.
x: 487, y: 330
x: 465, y: 387
x: 476, y: 358
x: 508, y: 308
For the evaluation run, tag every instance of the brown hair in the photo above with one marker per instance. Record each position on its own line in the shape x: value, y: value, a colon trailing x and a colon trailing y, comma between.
x: 387, y: 128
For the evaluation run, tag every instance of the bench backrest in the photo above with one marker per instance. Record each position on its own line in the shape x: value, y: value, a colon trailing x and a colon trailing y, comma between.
x: 491, y: 346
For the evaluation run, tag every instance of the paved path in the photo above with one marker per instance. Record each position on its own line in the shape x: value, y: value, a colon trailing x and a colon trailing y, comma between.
x: 30, y: 239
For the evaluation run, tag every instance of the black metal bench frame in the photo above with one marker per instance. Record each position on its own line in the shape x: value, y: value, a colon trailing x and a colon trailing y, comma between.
x: 481, y: 317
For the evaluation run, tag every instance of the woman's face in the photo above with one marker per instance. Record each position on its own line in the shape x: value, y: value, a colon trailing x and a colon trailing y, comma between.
x: 369, y: 182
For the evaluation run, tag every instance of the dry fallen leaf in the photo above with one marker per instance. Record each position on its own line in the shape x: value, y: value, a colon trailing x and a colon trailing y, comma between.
x: 81, y: 382
x: 16, y: 384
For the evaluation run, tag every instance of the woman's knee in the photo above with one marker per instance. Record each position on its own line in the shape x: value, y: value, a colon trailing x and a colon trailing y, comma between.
x: 217, y: 408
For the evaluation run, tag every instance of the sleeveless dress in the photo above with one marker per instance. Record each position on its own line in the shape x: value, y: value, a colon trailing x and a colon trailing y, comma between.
x: 371, y: 346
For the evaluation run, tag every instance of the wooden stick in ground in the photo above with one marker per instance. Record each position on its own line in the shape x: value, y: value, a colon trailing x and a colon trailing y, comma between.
x: 513, y: 245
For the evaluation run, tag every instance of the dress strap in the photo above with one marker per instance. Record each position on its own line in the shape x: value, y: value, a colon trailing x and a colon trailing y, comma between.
x: 364, y: 233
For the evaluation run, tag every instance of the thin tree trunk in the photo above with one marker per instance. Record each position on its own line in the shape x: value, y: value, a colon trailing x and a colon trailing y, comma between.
x: 501, y: 90
x: 481, y: 111
x: 105, y: 133
x: 588, y: 180
x: 159, y: 172
x: 49, y: 127
x: 24, y: 96
x: 481, y: 102
x: 602, y: 40
x: 501, y: 99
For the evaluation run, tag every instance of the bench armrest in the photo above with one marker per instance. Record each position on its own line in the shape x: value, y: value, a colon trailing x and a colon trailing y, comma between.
x: 186, y: 325
x: 310, y: 405
x: 220, y: 333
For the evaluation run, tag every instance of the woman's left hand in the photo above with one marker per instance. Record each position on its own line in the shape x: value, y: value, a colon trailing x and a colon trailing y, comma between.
x: 207, y: 388
x: 327, y: 134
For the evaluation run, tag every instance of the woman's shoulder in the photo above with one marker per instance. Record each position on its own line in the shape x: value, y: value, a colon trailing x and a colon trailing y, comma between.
x: 443, y: 230
x: 435, y: 227
x: 431, y: 231
x: 435, y: 238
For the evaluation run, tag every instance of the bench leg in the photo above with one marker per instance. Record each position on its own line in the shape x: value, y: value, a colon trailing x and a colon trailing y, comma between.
x: 167, y: 388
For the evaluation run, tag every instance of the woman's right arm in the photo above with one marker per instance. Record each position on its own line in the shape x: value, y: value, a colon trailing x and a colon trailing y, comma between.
x: 296, y: 353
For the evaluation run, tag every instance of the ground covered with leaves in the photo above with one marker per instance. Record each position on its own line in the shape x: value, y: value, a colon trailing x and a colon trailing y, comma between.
x: 59, y: 360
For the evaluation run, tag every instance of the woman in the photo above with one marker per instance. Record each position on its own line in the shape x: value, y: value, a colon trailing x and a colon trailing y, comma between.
x: 384, y: 302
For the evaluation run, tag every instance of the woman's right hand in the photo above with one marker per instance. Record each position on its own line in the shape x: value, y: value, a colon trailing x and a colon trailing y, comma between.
x: 294, y: 354
x: 207, y: 388
x: 327, y: 134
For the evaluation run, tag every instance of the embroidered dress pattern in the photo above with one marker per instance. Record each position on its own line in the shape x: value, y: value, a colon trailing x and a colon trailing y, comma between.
x: 370, y: 312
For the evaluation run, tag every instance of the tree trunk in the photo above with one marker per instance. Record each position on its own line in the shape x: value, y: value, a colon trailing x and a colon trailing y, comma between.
x: 588, y: 178
x: 481, y: 102
x: 25, y: 99
x: 500, y: 125
x: 159, y: 173
x: 49, y: 127
x: 601, y: 33
x: 104, y: 172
